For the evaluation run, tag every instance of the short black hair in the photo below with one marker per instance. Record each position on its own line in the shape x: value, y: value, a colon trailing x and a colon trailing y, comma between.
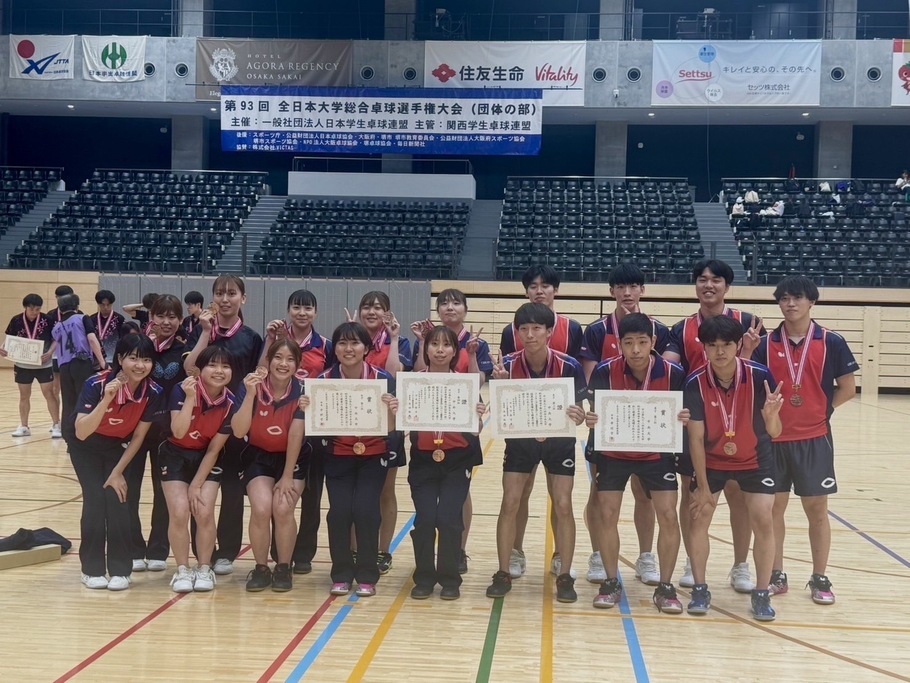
x: 626, y: 274
x: 193, y: 297
x: 103, y: 294
x: 68, y: 302
x: 302, y: 297
x: 148, y: 300
x: 444, y: 333
x: 214, y: 353
x: 535, y: 314
x: 352, y: 332
x: 796, y: 285
x: 129, y: 344
x: 166, y: 303
x: 545, y: 272
x: 129, y: 327
x: 636, y: 323
x: 32, y: 300
x: 63, y: 290
x: 447, y: 295
x: 720, y: 328
x: 716, y: 266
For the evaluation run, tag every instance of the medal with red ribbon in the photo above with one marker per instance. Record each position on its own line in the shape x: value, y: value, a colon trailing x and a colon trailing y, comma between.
x: 796, y: 376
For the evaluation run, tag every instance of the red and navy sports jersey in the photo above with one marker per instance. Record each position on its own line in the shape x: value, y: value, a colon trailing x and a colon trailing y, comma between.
x: 558, y: 365
x: 375, y: 445
x: 245, y: 347
x: 207, y: 420
x: 316, y: 356
x: 271, y: 423
x: 829, y: 358
x: 121, y: 419
x: 615, y: 374
x: 684, y: 339
x: 753, y: 444
x: 484, y: 361
x: 601, y: 340
x: 41, y: 327
x: 567, y: 338
x: 378, y: 357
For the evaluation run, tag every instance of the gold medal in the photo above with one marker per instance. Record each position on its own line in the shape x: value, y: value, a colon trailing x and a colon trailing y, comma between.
x: 796, y: 400
x: 439, y: 455
x: 730, y: 448
x: 360, y: 448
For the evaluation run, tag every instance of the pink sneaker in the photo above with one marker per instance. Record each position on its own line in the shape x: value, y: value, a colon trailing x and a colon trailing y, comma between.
x: 609, y: 595
x: 340, y: 588
x: 821, y: 590
x: 366, y: 590
x: 778, y: 585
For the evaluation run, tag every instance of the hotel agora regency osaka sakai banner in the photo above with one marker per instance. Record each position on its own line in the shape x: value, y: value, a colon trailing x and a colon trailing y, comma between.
x: 764, y: 73
x: 381, y: 120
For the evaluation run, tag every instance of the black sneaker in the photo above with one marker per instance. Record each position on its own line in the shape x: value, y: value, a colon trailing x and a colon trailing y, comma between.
x: 502, y: 584
x: 666, y: 600
x: 452, y: 593
x: 281, y: 578
x: 384, y: 563
x: 303, y: 567
x: 463, y: 563
x: 565, y: 588
x: 422, y: 592
x: 259, y: 579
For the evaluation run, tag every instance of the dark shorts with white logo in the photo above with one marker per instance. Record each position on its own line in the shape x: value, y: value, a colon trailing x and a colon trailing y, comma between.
x: 255, y: 462
x: 655, y: 475
x: 806, y: 466
x: 181, y: 464
x: 760, y: 480
x: 556, y: 454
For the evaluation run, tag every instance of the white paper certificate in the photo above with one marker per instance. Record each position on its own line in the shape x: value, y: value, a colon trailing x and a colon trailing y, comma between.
x: 24, y: 351
x: 346, y: 407
x: 638, y: 421
x: 532, y: 408
x: 437, y: 401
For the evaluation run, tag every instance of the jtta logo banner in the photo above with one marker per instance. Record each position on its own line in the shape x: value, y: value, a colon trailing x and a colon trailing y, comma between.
x: 113, y: 59
x: 41, y: 58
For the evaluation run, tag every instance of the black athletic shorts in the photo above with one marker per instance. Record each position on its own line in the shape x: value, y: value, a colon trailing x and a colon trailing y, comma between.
x: 655, y: 475
x: 806, y: 466
x: 750, y: 481
x: 255, y: 462
x: 181, y: 464
x: 556, y: 454
x: 29, y: 375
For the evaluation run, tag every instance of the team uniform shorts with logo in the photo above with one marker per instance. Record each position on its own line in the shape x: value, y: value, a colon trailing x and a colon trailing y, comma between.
x: 397, y: 453
x: 557, y: 455
x: 655, y: 475
x: 759, y: 480
x: 29, y: 375
x: 181, y: 464
x: 255, y: 462
x: 807, y: 466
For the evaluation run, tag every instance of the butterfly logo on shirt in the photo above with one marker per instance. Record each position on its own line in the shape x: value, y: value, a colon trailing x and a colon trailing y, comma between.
x: 168, y: 371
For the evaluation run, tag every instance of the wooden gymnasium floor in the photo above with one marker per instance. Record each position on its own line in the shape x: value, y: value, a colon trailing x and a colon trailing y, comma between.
x: 54, y: 629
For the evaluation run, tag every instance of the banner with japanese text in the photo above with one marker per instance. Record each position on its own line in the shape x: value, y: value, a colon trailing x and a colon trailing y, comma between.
x: 556, y: 68
x: 726, y: 73
x: 41, y: 58
x: 900, y: 78
x: 380, y: 120
x: 113, y: 59
x: 270, y: 62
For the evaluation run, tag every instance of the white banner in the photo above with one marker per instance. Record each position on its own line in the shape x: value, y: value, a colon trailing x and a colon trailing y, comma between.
x: 900, y: 79
x: 41, y: 58
x: 113, y: 59
x: 556, y: 68
x: 779, y: 73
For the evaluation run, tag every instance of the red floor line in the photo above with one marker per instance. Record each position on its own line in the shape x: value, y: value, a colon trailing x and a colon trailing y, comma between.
x: 286, y: 652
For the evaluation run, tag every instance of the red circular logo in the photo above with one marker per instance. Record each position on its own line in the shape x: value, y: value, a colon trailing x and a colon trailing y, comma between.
x: 26, y: 49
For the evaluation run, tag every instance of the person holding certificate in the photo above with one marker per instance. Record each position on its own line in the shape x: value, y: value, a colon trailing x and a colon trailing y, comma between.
x: 534, y: 324
x: 200, y: 415
x: 440, y: 478
x: 638, y: 368
x: 355, y: 471
x: 270, y: 418
x: 734, y: 414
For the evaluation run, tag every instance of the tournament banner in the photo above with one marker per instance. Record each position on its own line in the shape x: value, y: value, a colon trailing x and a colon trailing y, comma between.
x: 900, y: 79
x: 271, y: 63
x: 778, y: 73
x: 41, y: 58
x: 556, y: 68
x: 380, y: 120
x: 113, y: 59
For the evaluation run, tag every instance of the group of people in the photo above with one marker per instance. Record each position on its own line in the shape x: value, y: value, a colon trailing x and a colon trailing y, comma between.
x: 213, y: 404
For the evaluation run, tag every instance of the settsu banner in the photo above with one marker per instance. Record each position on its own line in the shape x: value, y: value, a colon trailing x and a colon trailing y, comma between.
x: 381, y: 120
x: 113, y: 59
x: 270, y: 62
x: 900, y: 78
x: 556, y: 68
x: 41, y: 58
x: 777, y: 73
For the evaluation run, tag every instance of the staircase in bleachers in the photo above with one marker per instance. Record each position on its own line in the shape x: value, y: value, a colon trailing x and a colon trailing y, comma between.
x: 22, y: 188
x: 585, y: 226
x: 21, y: 230
x: 255, y: 229
x: 717, y: 240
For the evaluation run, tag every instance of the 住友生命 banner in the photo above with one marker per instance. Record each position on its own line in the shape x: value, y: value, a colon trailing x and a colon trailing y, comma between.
x: 41, y: 58
x: 113, y: 59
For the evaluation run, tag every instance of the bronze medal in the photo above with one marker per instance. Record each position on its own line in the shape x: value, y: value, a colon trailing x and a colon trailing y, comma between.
x: 796, y: 400
x: 439, y: 455
x: 360, y: 448
x: 730, y: 448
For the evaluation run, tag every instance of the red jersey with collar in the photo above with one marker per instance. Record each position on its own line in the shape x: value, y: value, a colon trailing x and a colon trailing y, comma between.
x: 126, y: 411
x: 566, y: 338
x: 378, y: 353
x: 685, y: 342
x: 601, y: 340
x: 208, y: 419
x: 374, y: 445
x: 272, y: 419
x: 316, y: 355
x: 484, y: 361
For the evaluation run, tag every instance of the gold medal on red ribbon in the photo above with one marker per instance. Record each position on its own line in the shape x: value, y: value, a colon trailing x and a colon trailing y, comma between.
x: 730, y: 448
x: 728, y: 419
x: 360, y: 448
x: 439, y: 455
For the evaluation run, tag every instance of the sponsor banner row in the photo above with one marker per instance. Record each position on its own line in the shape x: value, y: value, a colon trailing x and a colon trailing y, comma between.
x: 113, y: 59
x: 373, y: 120
x: 900, y: 80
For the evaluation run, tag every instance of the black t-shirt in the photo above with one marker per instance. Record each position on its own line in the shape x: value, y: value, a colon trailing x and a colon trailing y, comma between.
x: 245, y: 347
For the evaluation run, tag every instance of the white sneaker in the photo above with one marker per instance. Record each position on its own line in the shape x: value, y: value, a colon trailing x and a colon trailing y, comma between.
x: 139, y: 566
x: 205, y: 579
x: 119, y: 583
x: 687, y: 580
x: 741, y: 578
x: 94, y: 581
x: 22, y: 430
x: 646, y: 569
x: 596, y: 571
x: 55, y: 431
x: 156, y: 565
x: 556, y: 567
x: 517, y: 564
x: 183, y: 580
x: 223, y: 567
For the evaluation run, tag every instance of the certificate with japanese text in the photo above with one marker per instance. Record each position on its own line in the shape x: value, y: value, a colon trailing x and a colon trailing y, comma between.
x: 532, y: 408
x: 437, y: 401
x: 638, y: 421
x: 24, y: 351
x: 346, y: 407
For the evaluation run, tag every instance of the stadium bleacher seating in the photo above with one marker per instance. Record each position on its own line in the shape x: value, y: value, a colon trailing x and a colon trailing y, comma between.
x: 22, y: 188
